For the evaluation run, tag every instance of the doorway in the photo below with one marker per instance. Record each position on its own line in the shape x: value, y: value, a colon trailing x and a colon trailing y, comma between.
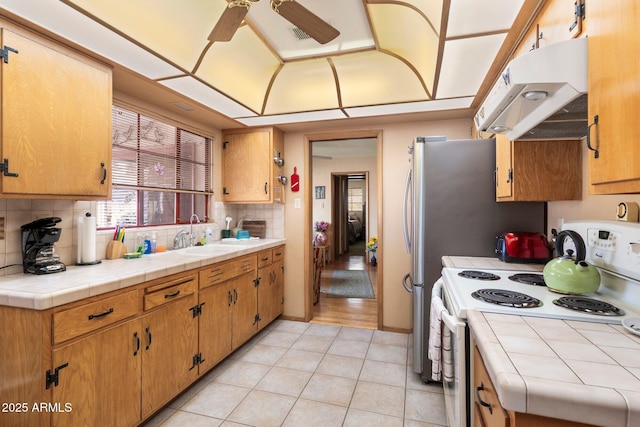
x: 345, y: 170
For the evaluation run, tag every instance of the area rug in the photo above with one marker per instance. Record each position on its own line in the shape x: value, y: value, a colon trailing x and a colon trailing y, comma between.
x: 350, y: 284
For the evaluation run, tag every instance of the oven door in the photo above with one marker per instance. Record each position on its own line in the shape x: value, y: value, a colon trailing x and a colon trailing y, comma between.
x: 455, y: 380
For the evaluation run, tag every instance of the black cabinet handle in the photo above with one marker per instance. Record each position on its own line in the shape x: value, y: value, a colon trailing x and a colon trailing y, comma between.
x: 148, y: 338
x: 596, y: 151
x: 104, y: 173
x: 99, y: 315
x: 265, y: 187
x: 171, y: 295
x: 137, y: 338
x: 482, y: 402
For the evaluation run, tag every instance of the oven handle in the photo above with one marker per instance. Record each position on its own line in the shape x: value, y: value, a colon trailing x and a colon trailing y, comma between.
x: 451, y: 322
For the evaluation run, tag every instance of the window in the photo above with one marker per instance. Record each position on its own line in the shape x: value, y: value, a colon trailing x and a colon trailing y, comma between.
x: 355, y: 198
x: 161, y: 174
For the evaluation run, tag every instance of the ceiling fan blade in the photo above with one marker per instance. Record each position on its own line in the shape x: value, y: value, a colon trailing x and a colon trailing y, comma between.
x: 228, y: 23
x: 307, y: 21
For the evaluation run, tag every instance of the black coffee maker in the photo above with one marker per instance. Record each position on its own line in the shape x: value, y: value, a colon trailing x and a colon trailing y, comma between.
x: 38, y: 238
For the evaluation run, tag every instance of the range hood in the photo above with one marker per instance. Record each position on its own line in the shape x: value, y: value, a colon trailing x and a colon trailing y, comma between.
x: 540, y: 95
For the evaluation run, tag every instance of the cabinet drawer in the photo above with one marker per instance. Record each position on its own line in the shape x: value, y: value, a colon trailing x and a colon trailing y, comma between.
x: 227, y: 270
x: 264, y: 258
x: 486, y: 397
x: 86, y: 318
x: 169, y: 291
x: 277, y: 254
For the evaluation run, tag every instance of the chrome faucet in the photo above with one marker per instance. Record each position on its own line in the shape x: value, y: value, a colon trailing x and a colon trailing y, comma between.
x: 180, y: 241
x: 192, y: 237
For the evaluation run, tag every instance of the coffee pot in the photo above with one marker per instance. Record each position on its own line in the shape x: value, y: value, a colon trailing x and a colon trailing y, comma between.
x: 38, y: 253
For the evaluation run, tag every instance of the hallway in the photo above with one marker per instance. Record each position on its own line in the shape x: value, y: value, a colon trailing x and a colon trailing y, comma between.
x: 353, y: 312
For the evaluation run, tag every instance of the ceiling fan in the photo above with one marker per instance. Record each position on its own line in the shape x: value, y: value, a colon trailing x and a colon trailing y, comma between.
x: 290, y: 10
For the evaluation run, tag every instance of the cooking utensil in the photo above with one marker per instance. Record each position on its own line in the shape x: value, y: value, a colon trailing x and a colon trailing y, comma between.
x: 571, y: 274
x: 228, y: 219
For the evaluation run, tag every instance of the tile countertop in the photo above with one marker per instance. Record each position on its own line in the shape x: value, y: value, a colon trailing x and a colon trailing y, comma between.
x: 79, y: 282
x: 577, y: 371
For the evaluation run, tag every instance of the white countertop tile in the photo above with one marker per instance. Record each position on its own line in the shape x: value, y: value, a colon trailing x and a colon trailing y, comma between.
x: 79, y: 282
x: 594, y: 379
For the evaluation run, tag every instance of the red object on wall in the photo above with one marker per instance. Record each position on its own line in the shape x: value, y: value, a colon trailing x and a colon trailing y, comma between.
x: 295, y: 181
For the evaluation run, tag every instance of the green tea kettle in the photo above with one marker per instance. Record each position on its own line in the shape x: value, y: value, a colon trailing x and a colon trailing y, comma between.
x: 568, y: 274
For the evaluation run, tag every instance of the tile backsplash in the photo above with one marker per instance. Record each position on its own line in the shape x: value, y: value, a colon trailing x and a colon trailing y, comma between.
x: 17, y: 212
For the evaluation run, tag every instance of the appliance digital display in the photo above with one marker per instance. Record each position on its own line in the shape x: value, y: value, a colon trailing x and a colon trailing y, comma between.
x: 603, y: 235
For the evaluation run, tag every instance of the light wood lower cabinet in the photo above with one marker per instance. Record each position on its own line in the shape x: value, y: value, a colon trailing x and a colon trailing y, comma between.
x: 271, y: 285
x: 116, y: 359
x: 170, y: 355
x: 488, y: 411
x: 97, y: 378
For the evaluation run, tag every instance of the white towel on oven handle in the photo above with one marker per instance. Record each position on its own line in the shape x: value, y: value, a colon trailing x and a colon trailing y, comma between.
x: 439, y: 350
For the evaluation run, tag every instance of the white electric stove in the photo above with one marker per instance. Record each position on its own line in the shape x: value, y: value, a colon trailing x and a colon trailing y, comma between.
x: 614, y: 247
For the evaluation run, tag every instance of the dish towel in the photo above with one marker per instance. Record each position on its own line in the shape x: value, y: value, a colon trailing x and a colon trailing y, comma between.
x: 439, y: 351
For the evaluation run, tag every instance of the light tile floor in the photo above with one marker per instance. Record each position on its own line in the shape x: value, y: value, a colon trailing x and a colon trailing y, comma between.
x: 302, y: 374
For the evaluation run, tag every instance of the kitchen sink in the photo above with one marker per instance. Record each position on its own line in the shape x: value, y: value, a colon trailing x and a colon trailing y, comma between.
x: 206, y: 250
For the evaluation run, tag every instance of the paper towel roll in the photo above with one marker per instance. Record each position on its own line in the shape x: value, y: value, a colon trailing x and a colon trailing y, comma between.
x: 86, y: 239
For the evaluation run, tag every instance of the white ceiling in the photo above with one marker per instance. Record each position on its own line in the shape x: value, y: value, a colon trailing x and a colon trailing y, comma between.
x: 396, y: 57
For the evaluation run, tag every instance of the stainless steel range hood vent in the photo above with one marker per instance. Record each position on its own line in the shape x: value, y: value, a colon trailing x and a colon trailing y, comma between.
x: 540, y: 95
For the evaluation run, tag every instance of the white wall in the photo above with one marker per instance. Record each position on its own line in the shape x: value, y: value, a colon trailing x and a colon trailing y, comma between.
x: 601, y: 207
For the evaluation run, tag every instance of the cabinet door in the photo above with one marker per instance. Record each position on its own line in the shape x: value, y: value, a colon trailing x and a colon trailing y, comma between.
x: 245, y: 308
x: 613, y: 75
x: 503, y: 167
x: 56, y: 121
x: 247, y: 167
x: 169, y: 344
x: 99, y: 377
x: 278, y: 292
x: 266, y: 296
x: 215, y: 324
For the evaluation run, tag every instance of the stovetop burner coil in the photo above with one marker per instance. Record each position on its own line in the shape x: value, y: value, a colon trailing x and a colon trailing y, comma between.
x: 478, y: 275
x: 506, y: 298
x: 588, y: 305
x: 529, y: 279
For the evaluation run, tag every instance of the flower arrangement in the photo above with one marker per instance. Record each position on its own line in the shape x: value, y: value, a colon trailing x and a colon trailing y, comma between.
x: 372, y: 244
x: 321, y: 226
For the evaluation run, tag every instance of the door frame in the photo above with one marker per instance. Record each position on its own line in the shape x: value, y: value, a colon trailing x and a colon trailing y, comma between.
x: 340, y: 243
x: 308, y: 220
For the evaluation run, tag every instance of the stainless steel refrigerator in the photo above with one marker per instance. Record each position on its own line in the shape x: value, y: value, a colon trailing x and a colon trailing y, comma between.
x: 450, y: 208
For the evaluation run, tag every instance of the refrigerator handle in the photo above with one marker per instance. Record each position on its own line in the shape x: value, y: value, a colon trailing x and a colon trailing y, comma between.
x: 407, y: 188
x: 407, y: 287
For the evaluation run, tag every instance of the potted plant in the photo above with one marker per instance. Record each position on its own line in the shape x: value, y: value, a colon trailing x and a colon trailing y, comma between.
x: 372, y: 246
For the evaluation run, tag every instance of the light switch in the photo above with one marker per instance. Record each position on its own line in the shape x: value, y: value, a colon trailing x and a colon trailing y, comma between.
x: 296, y: 203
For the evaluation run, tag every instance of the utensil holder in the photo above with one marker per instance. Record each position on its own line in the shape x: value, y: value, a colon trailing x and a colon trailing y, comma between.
x: 115, y: 250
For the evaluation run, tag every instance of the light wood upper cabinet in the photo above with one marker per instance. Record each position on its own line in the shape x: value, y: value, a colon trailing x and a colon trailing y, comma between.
x: 56, y: 121
x: 613, y: 96
x: 249, y: 172
x: 538, y: 170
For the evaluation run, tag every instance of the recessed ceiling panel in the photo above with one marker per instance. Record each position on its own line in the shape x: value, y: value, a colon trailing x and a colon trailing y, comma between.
x: 481, y: 16
x: 303, y: 86
x: 406, y: 32
x: 241, y: 68
x: 371, y: 78
x: 465, y: 64
x: 346, y: 16
x: 166, y: 27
